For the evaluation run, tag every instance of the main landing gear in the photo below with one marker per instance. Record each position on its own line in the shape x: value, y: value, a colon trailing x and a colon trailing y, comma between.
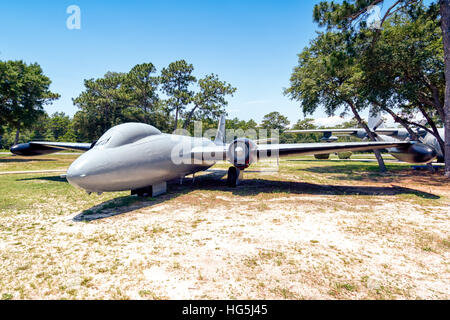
x: 234, y: 177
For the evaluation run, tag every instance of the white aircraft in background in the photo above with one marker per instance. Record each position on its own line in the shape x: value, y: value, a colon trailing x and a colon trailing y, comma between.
x: 383, y: 135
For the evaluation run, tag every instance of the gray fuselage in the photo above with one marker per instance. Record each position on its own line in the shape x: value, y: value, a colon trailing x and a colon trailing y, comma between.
x: 122, y: 160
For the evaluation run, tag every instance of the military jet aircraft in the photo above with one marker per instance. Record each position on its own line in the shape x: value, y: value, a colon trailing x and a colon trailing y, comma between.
x: 138, y: 157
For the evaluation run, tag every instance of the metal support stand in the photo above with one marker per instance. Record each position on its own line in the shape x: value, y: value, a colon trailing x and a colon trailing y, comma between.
x: 152, y: 191
x: 158, y: 189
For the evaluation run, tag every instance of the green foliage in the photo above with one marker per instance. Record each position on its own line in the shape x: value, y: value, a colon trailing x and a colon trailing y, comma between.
x: 209, y: 102
x: 275, y: 121
x: 327, y: 75
x: 24, y: 90
x: 345, y: 155
x: 402, y: 63
x: 176, y: 80
x: 58, y: 127
x: 404, y: 68
x: 134, y: 97
x: 101, y: 105
x: 108, y: 101
x: 400, y: 66
x: 353, y: 14
x: 235, y: 124
x: 322, y: 156
x: 305, y: 124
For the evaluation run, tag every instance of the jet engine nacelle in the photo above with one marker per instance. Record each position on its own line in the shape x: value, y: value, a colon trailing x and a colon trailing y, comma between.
x: 242, y: 153
x: 29, y: 149
x: 415, y: 153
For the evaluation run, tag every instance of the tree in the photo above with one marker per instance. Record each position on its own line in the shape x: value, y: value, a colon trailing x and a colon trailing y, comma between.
x: 176, y: 80
x: 142, y: 87
x: 237, y: 124
x: 342, y: 16
x: 275, y: 121
x: 58, y: 125
x: 445, y: 18
x: 117, y: 98
x: 24, y: 90
x: 209, y: 102
x: 101, y: 104
x: 404, y: 69
x: 306, y: 124
x: 329, y: 75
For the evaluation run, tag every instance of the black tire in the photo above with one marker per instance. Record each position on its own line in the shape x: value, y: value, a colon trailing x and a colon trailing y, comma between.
x: 232, y: 177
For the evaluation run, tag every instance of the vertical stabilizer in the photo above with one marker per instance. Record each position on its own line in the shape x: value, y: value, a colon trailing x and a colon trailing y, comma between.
x: 220, y: 135
x: 375, y: 119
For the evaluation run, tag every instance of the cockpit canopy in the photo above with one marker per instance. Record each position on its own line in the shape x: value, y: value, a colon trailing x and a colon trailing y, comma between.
x: 125, y: 134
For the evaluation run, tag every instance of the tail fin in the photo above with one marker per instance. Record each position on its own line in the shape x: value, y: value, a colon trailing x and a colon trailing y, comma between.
x: 220, y: 135
x: 375, y: 119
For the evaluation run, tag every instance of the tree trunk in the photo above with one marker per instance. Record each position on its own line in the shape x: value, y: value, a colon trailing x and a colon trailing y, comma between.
x: 371, y: 136
x: 188, y: 119
x: 176, y: 120
x: 16, y: 140
x: 445, y: 25
x: 402, y: 122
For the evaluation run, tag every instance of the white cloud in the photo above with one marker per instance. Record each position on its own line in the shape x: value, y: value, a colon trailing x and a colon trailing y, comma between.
x: 330, y: 122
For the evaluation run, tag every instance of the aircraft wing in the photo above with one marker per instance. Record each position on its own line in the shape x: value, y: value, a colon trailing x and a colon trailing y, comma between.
x: 37, y: 148
x: 334, y: 131
x: 269, y: 150
x: 324, y: 148
x: 346, y: 132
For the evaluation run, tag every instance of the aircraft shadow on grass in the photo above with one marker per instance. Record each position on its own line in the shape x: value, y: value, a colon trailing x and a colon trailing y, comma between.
x: 47, y: 178
x: 250, y: 187
x: 12, y: 160
x: 363, y: 172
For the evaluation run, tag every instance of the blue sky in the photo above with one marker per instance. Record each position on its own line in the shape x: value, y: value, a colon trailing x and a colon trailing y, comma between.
x: 251, y: 44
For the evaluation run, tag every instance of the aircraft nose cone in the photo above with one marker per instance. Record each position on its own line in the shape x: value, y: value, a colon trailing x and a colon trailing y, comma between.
x: 82, y: 174
x: 75, y: 176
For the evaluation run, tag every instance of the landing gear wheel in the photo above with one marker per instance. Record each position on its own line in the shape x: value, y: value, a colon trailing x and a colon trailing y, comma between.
x: 233, y: 177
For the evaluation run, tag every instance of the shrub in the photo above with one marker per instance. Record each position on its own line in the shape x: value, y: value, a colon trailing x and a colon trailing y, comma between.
x: 345, y: 155
x: 322, y: 156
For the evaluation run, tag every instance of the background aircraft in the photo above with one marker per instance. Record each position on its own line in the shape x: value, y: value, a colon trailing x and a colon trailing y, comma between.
x: 138, y: 157
x: 382, y: 134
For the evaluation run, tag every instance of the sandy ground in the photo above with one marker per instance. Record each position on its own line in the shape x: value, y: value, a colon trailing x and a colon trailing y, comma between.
x: 264, y: 240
